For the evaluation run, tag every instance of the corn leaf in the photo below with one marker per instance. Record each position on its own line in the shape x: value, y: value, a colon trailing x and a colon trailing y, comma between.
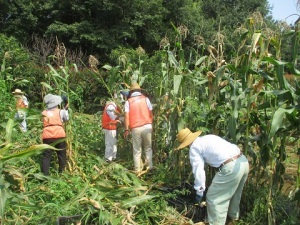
x: 199, y: 61
x: 4, y: 196
x: 33, y: 150
x: 4, y: 149
x: 273, y: 61
x: 107, y: 67
x: 255, y: 39
x: 177, y: 82
x: 136, y: 200
x: 117, y: 193
x: 9, y: 126
x: 277, y: 120
x: 172, y: 60
x: 47, y: 86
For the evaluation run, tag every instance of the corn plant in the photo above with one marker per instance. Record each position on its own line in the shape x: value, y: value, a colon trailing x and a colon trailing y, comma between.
x: 249, y: 101
x: 6, y: 158
x: 57, y: 82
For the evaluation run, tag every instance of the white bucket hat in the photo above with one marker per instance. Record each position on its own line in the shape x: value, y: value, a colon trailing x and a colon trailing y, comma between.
x: 52, y: 101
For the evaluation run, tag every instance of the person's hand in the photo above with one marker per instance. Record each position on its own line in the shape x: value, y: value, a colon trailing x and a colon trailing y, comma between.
x: 121, y: 118
x: 126, y: 134
x: 198, y: 199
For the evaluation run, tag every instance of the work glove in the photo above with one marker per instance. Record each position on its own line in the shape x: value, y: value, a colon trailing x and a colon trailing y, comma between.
x: 121, y: 119
x: 126, y: 134
x: 198, y: 199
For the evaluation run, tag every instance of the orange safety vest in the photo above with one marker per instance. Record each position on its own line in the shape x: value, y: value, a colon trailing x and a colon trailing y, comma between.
x: 107, y: 122
x: 53, y: 126
x: 139, y: 113
x: 20, y: 104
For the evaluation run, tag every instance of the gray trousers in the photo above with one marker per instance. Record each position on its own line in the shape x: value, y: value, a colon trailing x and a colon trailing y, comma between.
x: 224, y: 195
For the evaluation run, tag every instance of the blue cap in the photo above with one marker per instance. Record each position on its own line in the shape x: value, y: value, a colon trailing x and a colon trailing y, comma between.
x: 125, y: 93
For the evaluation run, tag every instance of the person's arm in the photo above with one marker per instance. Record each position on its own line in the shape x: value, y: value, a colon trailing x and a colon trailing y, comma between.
x: 197, y: 163
x: 126, y: 119
x: 150, y: 108
x: 151, y: 116
x: 25, y: 101
x: 65, y: 102
x: 64, y: 115
x: 111, y: 112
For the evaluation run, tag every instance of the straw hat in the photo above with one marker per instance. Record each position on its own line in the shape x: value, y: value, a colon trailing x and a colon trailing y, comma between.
x: 17, y: 92
x: 185, y: 137
x: 135, y: 86
x: 52, y: 101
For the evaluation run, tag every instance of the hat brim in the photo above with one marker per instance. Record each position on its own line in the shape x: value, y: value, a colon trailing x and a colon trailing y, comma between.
x: 136, y: 88
x: 189, y: 139
x: 18, y: 93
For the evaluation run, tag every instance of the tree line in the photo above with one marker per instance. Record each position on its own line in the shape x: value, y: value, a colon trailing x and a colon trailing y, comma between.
x: 98, y: 27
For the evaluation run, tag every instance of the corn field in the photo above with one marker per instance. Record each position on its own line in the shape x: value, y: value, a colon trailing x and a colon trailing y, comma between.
x: 250, y: 97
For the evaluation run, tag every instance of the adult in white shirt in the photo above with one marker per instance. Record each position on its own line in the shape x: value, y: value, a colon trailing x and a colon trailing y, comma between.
x: 138, y: 118
x: 224, y: 194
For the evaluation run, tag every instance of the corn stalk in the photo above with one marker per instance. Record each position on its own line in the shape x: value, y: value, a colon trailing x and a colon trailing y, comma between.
x: 5, y: 159
x: 57, y: 82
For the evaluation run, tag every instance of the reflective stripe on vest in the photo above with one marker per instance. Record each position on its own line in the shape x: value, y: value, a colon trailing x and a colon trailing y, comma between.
x: 53, y: 126
x: 107, y: 122
x: 139, y: 113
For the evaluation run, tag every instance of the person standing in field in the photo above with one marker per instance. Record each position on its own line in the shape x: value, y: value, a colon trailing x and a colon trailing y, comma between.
x: 21, y: 107
x: 224, y: 194
x: 138, y: 118
x: 54, y: 132
x: 110, y: 118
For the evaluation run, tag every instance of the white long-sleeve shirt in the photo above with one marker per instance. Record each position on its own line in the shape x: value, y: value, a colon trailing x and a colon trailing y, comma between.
x: 64, y: 114
x: 212, y: 150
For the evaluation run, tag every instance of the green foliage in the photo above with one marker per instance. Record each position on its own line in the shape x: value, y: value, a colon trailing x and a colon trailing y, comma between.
x: 100, y: 27
x: 108, y: 190
x: 247, y: 97
x: 261, y: 213
x: 6, y: 158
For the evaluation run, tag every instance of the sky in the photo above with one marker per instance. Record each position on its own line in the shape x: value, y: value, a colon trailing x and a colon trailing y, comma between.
x: 284, y: 8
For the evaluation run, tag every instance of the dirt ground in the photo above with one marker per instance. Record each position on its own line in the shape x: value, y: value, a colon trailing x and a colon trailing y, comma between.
x: 290, y: 171
x: 289, y: 180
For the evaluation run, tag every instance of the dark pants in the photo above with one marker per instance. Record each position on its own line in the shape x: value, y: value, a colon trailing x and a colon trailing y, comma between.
x: 47, y: 155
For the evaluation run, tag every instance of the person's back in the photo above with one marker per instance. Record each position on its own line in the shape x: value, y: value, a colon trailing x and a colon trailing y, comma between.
x: 53, y: 132
x: 224, y: 193
x: 138, y: 118
x: 212, y: 149
x: 110, y: 118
